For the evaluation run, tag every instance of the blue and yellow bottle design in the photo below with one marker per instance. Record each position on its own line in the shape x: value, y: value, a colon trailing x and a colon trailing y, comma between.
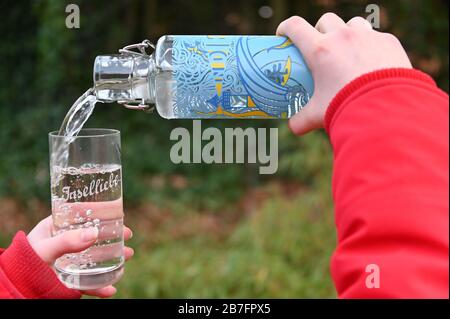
x: 238, y: 77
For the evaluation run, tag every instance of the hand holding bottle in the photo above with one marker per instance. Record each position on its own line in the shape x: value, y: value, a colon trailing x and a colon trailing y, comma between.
x: 337, y: 53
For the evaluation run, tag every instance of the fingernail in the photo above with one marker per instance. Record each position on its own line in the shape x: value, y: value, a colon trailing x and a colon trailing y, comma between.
x: 89, y: 234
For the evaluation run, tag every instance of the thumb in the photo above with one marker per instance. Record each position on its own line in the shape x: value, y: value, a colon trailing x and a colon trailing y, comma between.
x: 307, y: 119
x: 71, y: 241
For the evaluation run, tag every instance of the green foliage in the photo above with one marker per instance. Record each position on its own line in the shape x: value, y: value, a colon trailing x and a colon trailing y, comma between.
x: 307, y: 159
x: 280, y: 251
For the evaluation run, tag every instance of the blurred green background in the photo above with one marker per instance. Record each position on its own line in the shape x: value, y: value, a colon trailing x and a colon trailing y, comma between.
x: 200, y: 230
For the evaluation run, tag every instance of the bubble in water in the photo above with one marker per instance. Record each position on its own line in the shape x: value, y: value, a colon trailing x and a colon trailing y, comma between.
x: 96, y: 222
x: 87, y: 224
x: 65, y: 209
x: 79, y: 220
x: 89, y: 212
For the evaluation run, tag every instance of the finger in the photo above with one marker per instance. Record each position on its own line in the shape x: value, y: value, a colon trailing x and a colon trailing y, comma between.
x: 104, y: 292
x: 42, y: 230
x: 306, y: 120
x: 68, y: 242
x: 329, y: 22
x: 47, y: 222
x: 128, y: 252
x: 301, y: 33
x: 127, y: 233
x: 359, y: 22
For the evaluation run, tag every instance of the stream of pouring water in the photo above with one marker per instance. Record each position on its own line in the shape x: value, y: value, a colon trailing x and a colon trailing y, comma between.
x: 73, y: 122
x: 78, y: 114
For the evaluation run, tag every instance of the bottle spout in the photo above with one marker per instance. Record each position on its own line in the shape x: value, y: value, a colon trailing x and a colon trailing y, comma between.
x: 124, y: 78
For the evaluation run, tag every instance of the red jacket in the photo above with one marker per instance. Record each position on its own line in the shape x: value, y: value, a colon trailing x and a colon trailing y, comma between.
x: 389, y: 131
x: 24, y: 275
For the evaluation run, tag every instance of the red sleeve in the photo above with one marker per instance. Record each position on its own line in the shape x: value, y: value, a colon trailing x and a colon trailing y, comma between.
x: 24, y: 275
x: 389, y: 130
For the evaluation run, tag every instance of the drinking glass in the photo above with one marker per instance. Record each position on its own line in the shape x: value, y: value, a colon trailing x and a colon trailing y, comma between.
x: 86, y: 191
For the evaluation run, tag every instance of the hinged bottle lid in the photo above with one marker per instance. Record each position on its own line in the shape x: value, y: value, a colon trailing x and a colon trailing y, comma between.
x: 124, y: 77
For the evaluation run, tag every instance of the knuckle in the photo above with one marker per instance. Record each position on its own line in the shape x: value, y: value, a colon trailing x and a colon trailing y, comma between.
x: 347, y: 34
x: 328, y: 16
x: 358, y: 19
x: 391, y: 38
x: 46, y: 222
x: 293, y: 21
x: 321, y: 48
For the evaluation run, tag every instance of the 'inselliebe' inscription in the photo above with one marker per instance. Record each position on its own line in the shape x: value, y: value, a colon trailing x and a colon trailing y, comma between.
x: 90, y: 187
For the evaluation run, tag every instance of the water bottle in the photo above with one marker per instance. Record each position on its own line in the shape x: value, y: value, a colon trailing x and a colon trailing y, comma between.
x: 200, y: 77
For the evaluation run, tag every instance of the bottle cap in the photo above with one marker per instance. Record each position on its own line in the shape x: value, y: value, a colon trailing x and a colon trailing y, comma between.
x: 122, y: 78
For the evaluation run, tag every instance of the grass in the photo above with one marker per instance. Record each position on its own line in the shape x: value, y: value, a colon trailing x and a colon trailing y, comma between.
x: 280, y: 250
